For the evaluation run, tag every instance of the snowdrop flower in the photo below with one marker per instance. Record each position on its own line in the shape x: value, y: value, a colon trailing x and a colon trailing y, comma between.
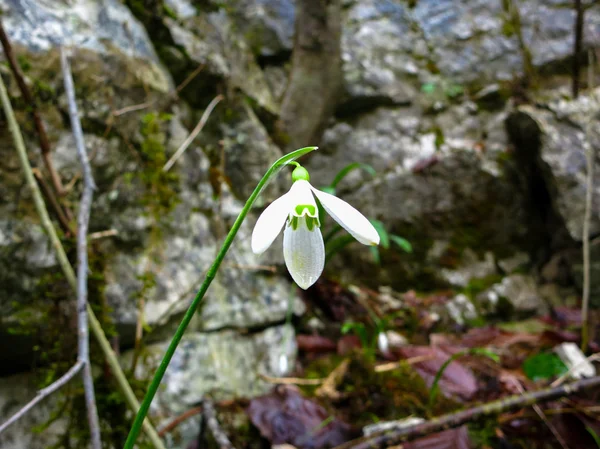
x: 303, y: 248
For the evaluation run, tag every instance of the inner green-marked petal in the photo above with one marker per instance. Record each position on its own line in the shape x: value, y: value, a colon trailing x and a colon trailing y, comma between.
x: 311, y: 209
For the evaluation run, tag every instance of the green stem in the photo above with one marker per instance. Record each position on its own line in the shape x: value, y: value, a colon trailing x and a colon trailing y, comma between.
x: 210, y: 275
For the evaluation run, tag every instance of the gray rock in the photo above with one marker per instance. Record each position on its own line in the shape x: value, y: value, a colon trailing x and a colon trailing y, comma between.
x: 15, y: 392
x: 267, y: 25
x: 439, y: 179
x: 89, y: 24
x: 470, y: 267
x: 214, y: 40
x: 514, y: 263
x: 565, y: 125
x: 521, y: 291
x: 223, y: 364
x: 460, y: 310
x: 380, y: 52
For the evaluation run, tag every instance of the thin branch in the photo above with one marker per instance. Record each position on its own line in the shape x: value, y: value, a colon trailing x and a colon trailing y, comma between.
x: 66, y: 267
x: 83, y: 219
x: 210, y: 416
x: 102, y: 234
x: 399, y: 435
x: 291, y: 380
x: 43, y: 394
x: 172, y: 95
x: 194, y: 133
x: 37, y: 120
x: 589, y: 184
x: 49, y: 194
x: 179, y: 419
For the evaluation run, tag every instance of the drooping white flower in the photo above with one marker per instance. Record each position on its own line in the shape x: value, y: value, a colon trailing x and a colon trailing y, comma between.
x: 303, y: 248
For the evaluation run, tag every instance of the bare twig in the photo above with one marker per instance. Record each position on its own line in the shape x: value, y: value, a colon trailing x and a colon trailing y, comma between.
x: 194, y: 133
x: 291, y: 380
x: 102, y: 234
x: 37, y: 120
x: 171, y: 96
x: 399, y: 435
x: 210, y: 416
x: 83, y: 219
x: 49, y: 194
x: 179, y: 419
x: 589, y: 184
x: 411, y: 361
x: 43, y: 394
x: 66, y: 267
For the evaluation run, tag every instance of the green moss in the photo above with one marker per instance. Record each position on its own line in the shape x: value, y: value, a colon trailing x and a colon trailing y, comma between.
x: 169, y: 12
x: 161, y: 195
x: 24, y: 63
x: 508, y: 29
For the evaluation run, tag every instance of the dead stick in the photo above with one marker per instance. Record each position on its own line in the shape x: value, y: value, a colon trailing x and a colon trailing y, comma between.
x: 83, y: 219
x: 397, y: 436
x: 194, y: 133
x: 49, y: 194
x: 37, y: 120
x: 179, y: 419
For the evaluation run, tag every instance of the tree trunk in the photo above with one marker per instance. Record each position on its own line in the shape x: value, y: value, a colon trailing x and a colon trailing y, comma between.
x: 316, y: 74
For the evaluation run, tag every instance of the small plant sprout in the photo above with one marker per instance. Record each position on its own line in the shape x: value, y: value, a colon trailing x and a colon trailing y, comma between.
x: 297, y: 210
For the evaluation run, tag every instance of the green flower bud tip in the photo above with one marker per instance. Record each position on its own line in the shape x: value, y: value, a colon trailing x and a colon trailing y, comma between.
x: 300, y: 173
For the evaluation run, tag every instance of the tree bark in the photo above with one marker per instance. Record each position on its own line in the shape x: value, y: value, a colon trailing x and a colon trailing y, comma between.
x: 316, y: 74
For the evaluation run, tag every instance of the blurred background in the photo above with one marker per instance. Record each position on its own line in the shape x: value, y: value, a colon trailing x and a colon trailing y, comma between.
x: 467, y: 124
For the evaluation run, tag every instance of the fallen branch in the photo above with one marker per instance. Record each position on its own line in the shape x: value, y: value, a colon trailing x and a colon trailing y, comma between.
x: 83, y: 218
x: 452, y: 420
x: 194, y: 133
x: 66, y: 267
x: 37, y: 120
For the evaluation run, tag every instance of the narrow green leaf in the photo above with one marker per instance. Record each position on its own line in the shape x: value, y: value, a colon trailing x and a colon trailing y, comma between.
x: 331, y: 233
x: 328, y: 189
x: 348, y: 169
x: 375, y: 254
x: 383, y: 234
x: 474, y: 351
x: 402, y: 243
x: 337, y: 245
x: 594, y: 435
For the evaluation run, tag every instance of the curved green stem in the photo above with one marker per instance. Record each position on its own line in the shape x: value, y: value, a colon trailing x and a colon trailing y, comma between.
x: 210, y: 275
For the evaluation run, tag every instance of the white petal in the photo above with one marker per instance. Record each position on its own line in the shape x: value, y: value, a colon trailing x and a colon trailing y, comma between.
x: 304, y: 253
x: 270, y: 222
x: 348, y: 218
